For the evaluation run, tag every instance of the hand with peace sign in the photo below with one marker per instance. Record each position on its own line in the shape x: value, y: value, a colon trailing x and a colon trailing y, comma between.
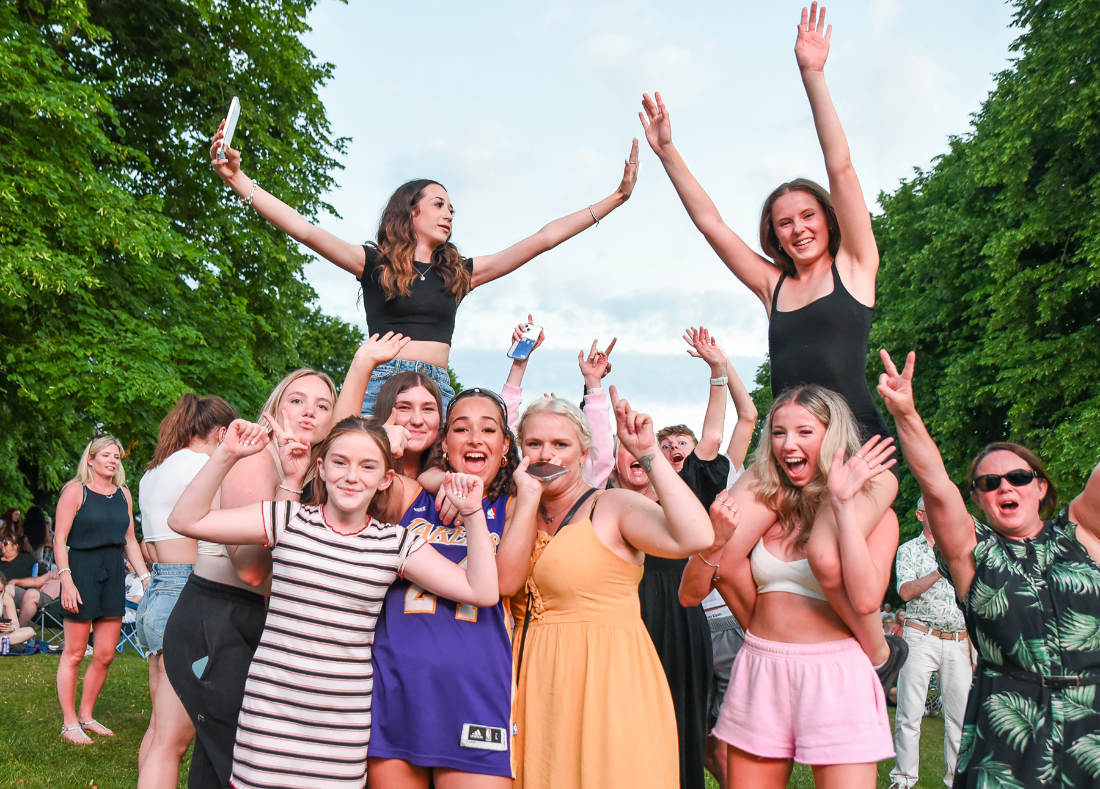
x: 896, y: 388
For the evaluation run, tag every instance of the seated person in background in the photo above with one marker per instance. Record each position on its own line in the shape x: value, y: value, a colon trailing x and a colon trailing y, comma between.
x: 134, y: 592
x: 9, y: 623
x: 24, y: 584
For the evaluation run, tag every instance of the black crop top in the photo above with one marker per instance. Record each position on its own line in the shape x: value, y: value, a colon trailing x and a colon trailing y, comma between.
x: 427, y: 313
x: 825, y: 343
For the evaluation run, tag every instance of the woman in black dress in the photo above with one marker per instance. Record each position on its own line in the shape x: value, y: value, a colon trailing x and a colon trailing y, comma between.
x: 95, y: 522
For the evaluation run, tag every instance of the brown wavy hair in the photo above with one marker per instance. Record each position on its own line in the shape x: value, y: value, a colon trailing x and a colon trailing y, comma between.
x: 1048, y: 504
x: 397, y: 244
x: 769, y: 241
x: 796, y: 507
x: 191, y: 417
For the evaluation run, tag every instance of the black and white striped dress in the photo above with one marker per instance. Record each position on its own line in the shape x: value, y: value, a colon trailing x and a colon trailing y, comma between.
x: 306, y: 715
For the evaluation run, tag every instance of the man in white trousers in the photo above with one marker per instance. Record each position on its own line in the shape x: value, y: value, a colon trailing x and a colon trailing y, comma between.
x: 937, y: 639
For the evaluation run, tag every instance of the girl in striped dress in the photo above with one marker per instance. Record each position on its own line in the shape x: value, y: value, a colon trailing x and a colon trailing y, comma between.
x: 307, y: 708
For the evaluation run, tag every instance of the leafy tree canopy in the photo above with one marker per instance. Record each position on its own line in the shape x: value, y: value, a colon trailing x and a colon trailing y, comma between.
x: 991, y: 260
x: 128, y: 273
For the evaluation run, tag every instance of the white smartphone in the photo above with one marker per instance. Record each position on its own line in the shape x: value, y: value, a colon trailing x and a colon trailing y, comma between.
x: 230, y: 125
x: 522, y: 347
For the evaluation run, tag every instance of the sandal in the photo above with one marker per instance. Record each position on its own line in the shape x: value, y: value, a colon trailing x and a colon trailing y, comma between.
x: 96, y: 728
x: 68, y: 730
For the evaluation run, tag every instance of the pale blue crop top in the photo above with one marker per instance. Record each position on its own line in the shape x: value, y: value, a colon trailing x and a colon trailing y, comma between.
x: 775, y: 575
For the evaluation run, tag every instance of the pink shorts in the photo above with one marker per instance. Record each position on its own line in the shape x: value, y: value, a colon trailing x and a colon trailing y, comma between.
x: 814, y: 703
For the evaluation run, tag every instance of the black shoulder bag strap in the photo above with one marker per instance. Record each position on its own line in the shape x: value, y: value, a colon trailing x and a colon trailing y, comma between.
x: 527, y: 609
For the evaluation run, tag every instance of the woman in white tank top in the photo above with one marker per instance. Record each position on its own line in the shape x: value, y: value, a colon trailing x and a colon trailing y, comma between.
x: 801, y: 688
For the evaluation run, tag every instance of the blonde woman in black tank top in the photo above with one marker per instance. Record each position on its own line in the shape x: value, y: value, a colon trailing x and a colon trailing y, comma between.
x: 818, y: 243
x: 95, y: 522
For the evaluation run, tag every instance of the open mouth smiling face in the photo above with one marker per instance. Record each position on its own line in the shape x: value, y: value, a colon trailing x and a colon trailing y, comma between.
x: 796, y: 443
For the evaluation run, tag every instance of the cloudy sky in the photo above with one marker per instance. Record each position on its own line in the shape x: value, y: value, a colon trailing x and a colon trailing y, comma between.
x: 526, y: 112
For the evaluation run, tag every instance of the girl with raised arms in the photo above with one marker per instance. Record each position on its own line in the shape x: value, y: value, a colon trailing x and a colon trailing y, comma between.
x: 306, y: 717
x: 818, y: 289
x: 412, y: 276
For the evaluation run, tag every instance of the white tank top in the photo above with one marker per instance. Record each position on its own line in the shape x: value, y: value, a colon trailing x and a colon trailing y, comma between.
x: 161, y: 487
x: 775, y: 575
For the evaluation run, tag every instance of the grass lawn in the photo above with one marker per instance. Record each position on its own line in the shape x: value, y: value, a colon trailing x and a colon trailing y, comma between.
x: 32, y: 753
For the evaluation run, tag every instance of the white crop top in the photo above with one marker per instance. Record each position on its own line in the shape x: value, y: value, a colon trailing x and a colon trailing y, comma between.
x: 161, y: 487
x: 775, y: 575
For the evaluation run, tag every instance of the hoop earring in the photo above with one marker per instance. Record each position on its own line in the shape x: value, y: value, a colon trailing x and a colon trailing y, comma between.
x: 504, y: 461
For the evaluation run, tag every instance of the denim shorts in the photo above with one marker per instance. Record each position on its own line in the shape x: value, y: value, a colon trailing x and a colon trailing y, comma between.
x: 158, y: 602
x: 383, y: 372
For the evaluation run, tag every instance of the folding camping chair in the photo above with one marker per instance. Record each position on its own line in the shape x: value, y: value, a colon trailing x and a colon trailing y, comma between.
x: 128, y: 634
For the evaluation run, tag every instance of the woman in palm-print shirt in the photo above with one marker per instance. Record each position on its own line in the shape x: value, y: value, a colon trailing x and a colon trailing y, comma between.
x: 1030, y: 591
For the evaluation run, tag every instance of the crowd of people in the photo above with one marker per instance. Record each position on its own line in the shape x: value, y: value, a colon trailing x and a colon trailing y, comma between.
x: 394, y: 582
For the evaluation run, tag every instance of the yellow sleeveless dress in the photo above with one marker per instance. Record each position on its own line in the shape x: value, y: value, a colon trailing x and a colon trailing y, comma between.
x: 593, y: 707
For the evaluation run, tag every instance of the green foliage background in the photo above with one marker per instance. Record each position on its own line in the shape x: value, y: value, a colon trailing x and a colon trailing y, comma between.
x: 991, y: 261
x: 128, y: 273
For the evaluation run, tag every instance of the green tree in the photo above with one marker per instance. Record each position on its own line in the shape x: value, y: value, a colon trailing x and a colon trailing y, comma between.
x: 128, y: 274
x: 991, y: 259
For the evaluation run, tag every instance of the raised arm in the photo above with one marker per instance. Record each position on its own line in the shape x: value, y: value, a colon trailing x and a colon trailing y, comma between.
x: 948, y: 519
x: 350, y: 257
x: 375, y: 351
x: 601, y: 458
x: 490, y: 267
x: 703, y: 346
x: 517, y: 541
x: 865, y: 569
x: 477, y: 582
x: 192, y: 516
x: 755, y: 271
x: 512, y: 391
x: 746, y: 418
x: 811, y: 50
x: 679, y: 526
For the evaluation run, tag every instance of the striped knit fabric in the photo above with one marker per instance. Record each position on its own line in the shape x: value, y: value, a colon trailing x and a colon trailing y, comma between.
x: 306, y: 715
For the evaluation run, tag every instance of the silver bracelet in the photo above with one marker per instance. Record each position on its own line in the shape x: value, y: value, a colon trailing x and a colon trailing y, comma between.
x: 721, y: 380
x: 593, y: 213
x: 143, y: 576
x: 291, y: 490
x: 64, y: 570
x: 709, y: 564
x: 247, y: 201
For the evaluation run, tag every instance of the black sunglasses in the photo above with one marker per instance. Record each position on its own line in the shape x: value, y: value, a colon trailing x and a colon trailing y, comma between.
x: 1017, y: 478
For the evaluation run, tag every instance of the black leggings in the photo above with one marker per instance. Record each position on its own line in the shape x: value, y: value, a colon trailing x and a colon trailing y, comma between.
x: 209, y: 641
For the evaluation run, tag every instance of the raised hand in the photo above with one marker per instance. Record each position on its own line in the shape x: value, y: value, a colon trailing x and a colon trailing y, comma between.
x: 244, y: 438
x: 464, y: 491
x: 397, y: 434
x: 896, y: 389
x: 517, y: 335
x: 630, y: 172
x: 597, y: 364
x: 225, y: 168
x: 811, y: 48
x: 655, y: 121
x: 724, y: 517
x: 526, y: 485
x: 705, y: 347
x: 381, y: 349
x: 873, y: 458
x: 635, y: 430
x: 294, y: 454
